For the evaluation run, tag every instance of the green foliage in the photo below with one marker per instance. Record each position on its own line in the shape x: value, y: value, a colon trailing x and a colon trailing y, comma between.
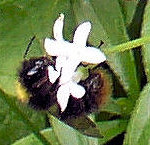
x: 138, y: 130
x: 17, y: 120
x: 113, y: 22
x: 33, y: 139
x: 146, y: 32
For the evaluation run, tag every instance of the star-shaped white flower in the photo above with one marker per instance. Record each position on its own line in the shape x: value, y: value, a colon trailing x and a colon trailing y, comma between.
x: 69, y: 55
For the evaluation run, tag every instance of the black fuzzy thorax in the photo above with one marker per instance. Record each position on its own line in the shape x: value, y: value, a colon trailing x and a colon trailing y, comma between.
x: 34, y: 77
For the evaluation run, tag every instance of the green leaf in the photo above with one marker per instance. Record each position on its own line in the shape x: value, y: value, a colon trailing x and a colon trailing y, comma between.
x: 50, y: 136
x: 106, y: 15
x: 33, y: 140
x: 67, y: 135
x: 111, y: 106
x: 29, y: 140
x: 126, y: 106
x: 110, y: 129
x: 138, y: 131
x: 146, y: 48
x: 128, y: 9
x: 16, y: 120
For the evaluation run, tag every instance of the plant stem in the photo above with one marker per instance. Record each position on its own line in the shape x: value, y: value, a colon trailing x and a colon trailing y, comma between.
x: 128, y: 45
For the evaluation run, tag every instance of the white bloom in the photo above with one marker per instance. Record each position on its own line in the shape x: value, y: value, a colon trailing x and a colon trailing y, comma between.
x: 65, y: 90
x: 69, y: 55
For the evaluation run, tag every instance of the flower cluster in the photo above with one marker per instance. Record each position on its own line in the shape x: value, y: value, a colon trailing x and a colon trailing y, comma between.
x: 68, y: 57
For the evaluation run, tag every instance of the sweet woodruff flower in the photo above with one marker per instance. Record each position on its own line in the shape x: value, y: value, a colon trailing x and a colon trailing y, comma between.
x: 69, y: 56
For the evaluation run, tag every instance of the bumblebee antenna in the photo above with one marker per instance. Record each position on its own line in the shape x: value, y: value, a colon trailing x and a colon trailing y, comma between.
x: 101, y: 43
x: 28, y: 47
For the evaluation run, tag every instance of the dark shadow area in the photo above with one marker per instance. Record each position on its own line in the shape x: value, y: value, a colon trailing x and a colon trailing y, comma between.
x: 118, y: 140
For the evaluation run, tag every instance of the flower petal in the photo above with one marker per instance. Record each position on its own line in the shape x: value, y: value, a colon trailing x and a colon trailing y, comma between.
x: 63, y: 96
x: 53, y: 47
x: 58, y: 48
x: 58, y: 28
x: 68, y: 69
x: 60, y: 61
x: 52, y: 74
x: 81, y: 34
x: 76, y: 90
x: 93, y: 55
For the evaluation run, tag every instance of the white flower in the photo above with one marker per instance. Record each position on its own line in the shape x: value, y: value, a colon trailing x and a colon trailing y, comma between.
x: 69, y: 55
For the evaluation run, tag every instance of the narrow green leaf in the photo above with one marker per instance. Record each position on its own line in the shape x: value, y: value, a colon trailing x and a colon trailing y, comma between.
x: 128, y: 9
x: 16, y: 120
x: 138, y: 131
x: 146, y: 32
x: 33, y: 140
